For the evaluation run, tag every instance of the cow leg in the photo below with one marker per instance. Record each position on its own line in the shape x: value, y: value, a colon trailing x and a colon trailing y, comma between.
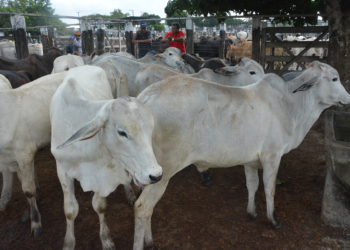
x: 252, y: 182
x: 26, y: 215
x: 27, y: 175
x: 130, y: 195
x: 205, y: 174
x: 71, y: 206
x: 143, y: 209
x: 100, y: 205
x: 6, y: 193
x: 269, y: 176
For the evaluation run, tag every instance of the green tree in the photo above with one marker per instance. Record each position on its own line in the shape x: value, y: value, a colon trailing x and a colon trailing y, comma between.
x: 29, y: 6
x: 177, y: 14
x: 336, y: 11
x: 146, y: 15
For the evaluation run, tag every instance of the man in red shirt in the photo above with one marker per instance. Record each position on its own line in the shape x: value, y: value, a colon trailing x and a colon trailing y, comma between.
x: 175, y: 38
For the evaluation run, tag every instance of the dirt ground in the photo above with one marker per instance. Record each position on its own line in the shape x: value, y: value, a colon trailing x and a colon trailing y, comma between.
x: 190, y: 216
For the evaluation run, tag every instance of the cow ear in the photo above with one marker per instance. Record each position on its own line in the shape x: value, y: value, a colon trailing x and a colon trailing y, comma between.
x: 89, y: 130
x: 158, y: 56
x: 93, y: 55
x: 225, y: 72
x: 75, y: 53
x: 308, y: 84
x: 241, y: 62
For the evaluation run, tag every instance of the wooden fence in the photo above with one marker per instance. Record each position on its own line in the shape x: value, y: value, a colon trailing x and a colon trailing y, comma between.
x: 291, y: 59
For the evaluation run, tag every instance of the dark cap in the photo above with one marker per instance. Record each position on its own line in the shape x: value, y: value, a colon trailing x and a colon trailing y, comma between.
x: 143, y: 25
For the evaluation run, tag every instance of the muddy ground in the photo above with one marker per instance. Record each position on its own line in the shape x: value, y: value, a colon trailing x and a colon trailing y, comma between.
x: 190, y: 216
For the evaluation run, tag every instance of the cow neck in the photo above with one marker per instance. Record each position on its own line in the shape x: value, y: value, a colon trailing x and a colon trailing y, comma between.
x: 304, y: 107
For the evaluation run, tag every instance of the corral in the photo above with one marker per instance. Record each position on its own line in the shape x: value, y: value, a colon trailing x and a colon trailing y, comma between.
x: 190, y: 216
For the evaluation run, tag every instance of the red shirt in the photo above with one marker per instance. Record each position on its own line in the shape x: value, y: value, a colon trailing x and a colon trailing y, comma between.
x: 180, y: 46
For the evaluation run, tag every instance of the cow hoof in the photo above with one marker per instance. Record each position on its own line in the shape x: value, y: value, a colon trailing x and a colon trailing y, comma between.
x: 2, y: 208
x: 277, y: 225
x: 25, y: 216
x: 36, y: 232
x: 131, y: 203
x: 92, y: 194
x: 110, y: 248
x: 254, y: 217
x: 114, y: 193
x: 149, y: 247
x: 207, y: 183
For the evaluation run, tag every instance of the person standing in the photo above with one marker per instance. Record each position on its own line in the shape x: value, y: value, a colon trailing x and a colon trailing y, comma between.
x: 144, y: 40
x: 77, y: 43
x: 175, y: 38
x: 70, y: 46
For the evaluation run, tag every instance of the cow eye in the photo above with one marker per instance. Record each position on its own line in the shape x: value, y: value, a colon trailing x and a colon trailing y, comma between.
x: 122, y: 133
x: 170, y: 54
x: 335, y: 79
x: 252, y: 72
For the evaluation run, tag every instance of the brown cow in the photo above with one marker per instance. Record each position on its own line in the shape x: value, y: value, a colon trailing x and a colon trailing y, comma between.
x: 17, y: 78
x: 36, y: 65
x: 245, y: 50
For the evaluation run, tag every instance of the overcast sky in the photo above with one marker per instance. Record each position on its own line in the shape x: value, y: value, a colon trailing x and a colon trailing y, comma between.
x: 104, y: 7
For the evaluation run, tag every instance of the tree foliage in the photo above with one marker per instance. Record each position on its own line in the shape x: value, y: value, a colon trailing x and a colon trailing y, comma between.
x: 29, y: 6
x: 177, y: 14
x: 250, y: 7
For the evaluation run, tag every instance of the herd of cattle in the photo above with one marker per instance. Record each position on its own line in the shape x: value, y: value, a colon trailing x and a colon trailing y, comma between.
x: 112, y: 119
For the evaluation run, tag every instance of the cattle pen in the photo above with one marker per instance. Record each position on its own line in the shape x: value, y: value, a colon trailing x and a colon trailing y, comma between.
x: 189, y: 216
x: 96, y: 36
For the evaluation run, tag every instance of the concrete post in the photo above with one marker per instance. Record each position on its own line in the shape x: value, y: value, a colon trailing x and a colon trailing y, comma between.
x: 189, y: 36
x: 100, y: 34
x: 20, y: 36
x: 87, y: 37
x: 222, y: 40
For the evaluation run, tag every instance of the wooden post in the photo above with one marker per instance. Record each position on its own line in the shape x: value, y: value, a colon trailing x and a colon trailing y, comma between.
x: 100, y: 34
x: 263, y: 45
x: 222, y: 40
x: 19, y: 33
x: 189, y: 36
x: 256, y: 39
x: 87, y: 41
x: 119, y: 38
x: 129, y: 33
x: 45, y: 40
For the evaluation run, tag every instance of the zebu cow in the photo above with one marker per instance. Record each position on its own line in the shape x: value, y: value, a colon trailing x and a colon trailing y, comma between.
x: 198, y: 64
x: 212, y: 125
x: 244, y: 73
x: 130, y: 67
x: 17, y: 78
x: 25, y: 128
x: 4, y: 83
x: 67, y: 62
x: 37, y: 65
x: 115, y: 147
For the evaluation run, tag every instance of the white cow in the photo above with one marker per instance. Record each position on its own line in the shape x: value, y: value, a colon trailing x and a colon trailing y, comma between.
x: 131, y: 67
x: 212, y: 125
x: 4, y: 83
x: 67, y: 62
x: 25, y: 128
x: 100, y: 141
x: 244, y: 73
